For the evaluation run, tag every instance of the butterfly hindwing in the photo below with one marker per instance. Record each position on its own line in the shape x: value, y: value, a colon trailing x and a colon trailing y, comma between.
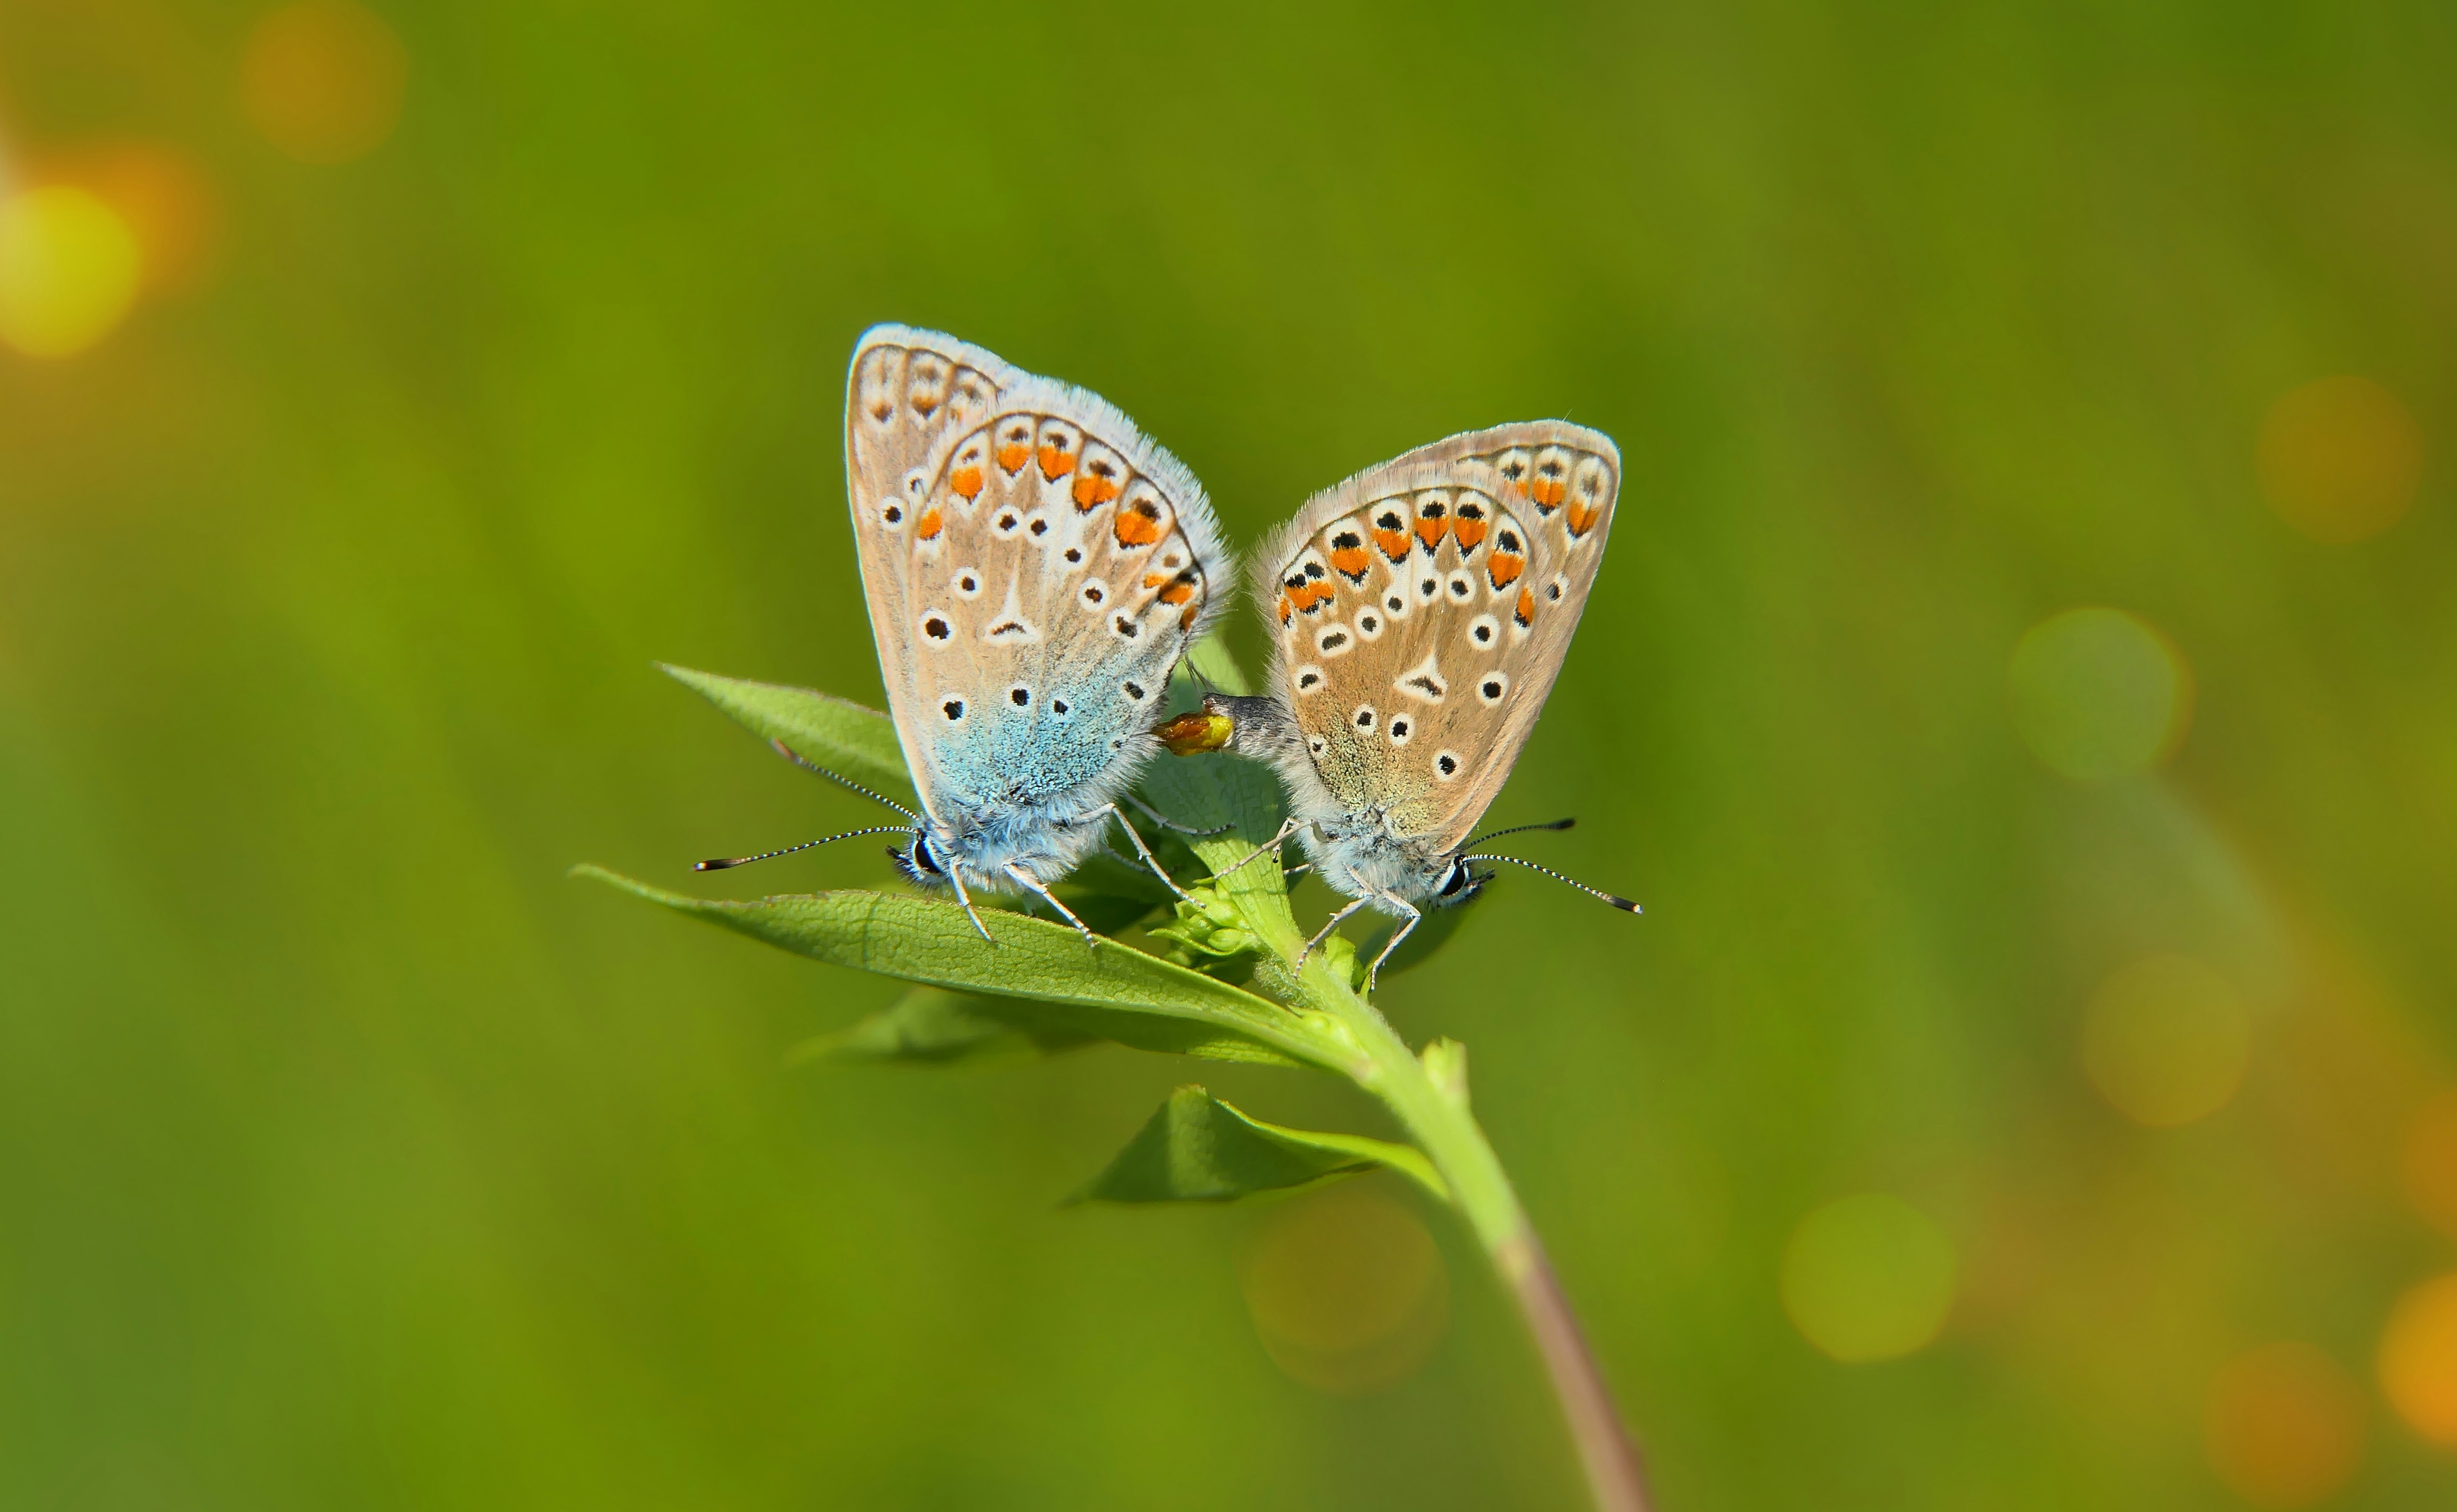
x: 1034, y: 568
x: 1422, y: 609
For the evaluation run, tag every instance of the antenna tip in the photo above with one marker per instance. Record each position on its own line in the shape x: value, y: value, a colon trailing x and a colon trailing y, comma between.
x: 719, y: 864
x: 1570, y: 823
x: 1625, y: 905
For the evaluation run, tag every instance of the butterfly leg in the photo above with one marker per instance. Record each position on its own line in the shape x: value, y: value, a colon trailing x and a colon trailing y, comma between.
x: 1414, y: 917
x: 1273, y: 843
x: 966, y: 899
x: 1034, y: 884
x: 1157, y: 817
x: 1324, y: 933
x: 1141, y: 849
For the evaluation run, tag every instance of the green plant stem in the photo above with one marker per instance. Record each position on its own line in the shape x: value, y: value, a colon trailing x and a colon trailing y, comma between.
x: 1444, y: 1128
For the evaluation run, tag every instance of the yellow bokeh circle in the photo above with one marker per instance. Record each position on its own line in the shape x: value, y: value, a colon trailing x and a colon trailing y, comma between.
x: 2097, y: 693
x: 1869, y: 1278
x: 2340, y: 459
x: 323, y: 79
x: 2285, y: 1426
x: 69, y: 270
x: 2418, y: 1359
x: 1347, y: 1290
x: 2166, y: 1041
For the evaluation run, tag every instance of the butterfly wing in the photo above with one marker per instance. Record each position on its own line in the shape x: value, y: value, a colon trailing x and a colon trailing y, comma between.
x: 1423, y: 607
x: 1034, y: 568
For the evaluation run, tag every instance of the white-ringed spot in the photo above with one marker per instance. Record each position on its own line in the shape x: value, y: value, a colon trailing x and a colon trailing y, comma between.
x: 1446, y: 765
x: 967, y: 582
x: 1020, y: 696
x: 1484, y: 629
x: 1369, y: 626
x: 1460, y: 585
x: 1365, y: 718
x: 1402, y: 728
x: 1492, y: 686
x: 935, y: 628
x: 1094, y: 594
x: 1133, y: 690
x: 1334, y: 640
x: 952, y: 709
x: 1308, y: 678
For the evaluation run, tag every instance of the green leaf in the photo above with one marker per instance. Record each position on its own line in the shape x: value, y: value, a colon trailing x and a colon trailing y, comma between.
x: 931, y: 1025
x: 1210, y: 657
x: 1111, y: 992
x: 826, y: 731
x: 1198, y: 1149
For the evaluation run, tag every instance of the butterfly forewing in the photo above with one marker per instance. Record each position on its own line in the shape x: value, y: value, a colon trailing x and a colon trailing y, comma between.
x: 1034, y: 569
x: 1423, y: 607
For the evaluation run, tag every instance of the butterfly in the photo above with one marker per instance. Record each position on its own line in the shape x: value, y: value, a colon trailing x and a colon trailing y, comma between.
x: 1034, y: 568
x: 1418, y: 612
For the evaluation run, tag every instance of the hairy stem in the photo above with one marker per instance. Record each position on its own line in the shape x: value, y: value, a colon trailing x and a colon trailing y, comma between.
x: 1447, y: 1131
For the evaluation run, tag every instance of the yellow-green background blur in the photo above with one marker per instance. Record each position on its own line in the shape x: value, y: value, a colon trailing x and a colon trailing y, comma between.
x: 2023, y: 1091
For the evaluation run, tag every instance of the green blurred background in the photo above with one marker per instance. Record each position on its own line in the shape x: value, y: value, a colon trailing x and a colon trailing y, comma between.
x: 388, y: 389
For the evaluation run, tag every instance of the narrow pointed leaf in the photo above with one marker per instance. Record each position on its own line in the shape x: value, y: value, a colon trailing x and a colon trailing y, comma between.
x: 933, y: 1026
x: 1198, y: 1149
x: 1113, y: 992
x: 843, y: 737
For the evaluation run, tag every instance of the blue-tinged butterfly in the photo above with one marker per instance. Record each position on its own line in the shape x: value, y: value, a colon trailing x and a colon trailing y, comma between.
x: 1419, y: 612
x: 1034, y: 568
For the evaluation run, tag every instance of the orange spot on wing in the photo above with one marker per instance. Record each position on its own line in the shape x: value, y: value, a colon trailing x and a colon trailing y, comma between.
x: 1584, y: 518
x: 1430, y: 531
x: 1286, y: 608
x: 1547, y: 492
x: 1013, y: 456
x: 929, y: 525
x: 966, y: 481
x: 1525, y: 613
x: 1470, y: 533
x: 1351, y: 564
x: 1394, y: 544
x: 1092, y: 490
x: 1177, y: 593
x: 1505, y: 568
x: 1312, y: 596
x: 1056, y: 464
x: 1134, y: 526
x: 1186, y: 621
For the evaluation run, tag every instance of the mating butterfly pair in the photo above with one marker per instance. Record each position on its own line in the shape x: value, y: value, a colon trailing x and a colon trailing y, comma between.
x: 1035, y: 567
